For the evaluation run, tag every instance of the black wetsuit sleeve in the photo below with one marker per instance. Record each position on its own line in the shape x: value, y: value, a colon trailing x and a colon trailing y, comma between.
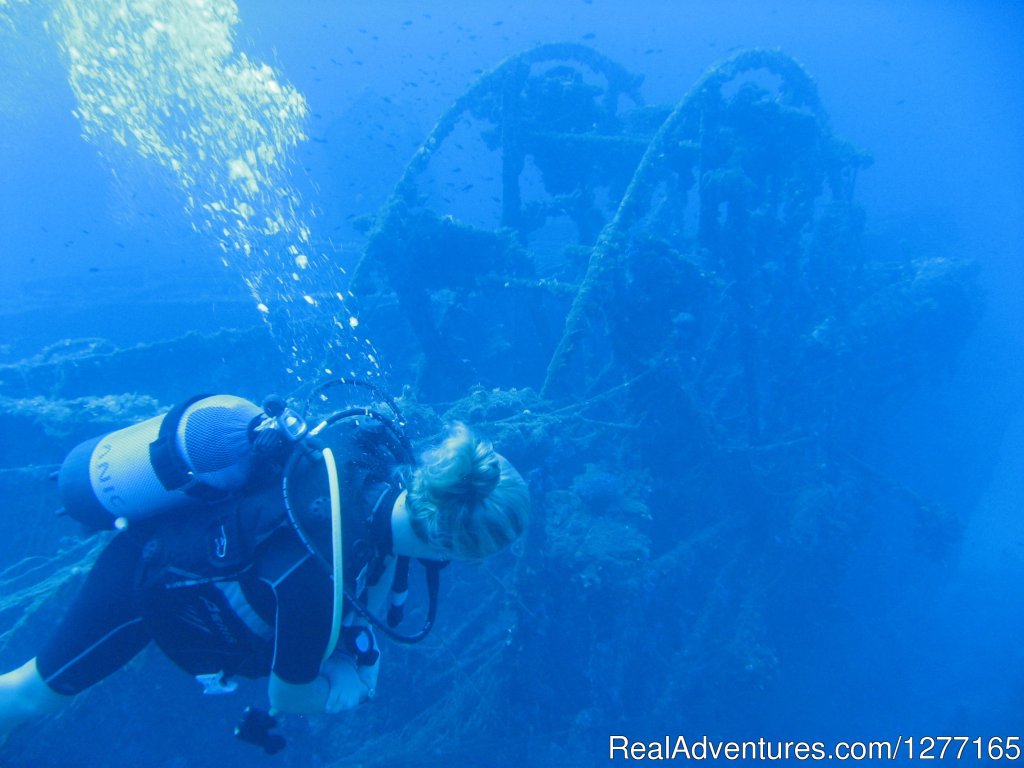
x: 304, y: 606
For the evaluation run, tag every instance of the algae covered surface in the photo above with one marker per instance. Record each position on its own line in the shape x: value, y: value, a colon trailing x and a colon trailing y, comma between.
x: 737, y: 305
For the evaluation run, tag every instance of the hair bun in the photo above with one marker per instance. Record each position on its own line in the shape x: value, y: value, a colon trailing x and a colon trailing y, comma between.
x: 463, y: 467
x: 466, y: 499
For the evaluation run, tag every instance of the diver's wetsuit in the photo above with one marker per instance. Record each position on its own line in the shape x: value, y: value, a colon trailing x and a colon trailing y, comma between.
x: 246, y: 627
x: 273, y: 616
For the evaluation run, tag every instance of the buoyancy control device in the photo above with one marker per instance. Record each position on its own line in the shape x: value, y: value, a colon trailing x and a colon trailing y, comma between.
x: 211, y: 447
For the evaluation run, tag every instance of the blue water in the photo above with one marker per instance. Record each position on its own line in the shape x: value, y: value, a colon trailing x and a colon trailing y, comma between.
x: 909, y: 641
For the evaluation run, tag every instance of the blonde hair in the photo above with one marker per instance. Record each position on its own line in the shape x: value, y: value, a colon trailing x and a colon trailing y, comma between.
x: 467, y: 499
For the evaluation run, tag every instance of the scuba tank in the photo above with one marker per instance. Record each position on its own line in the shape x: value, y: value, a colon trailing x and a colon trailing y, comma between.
x: 202, y: 449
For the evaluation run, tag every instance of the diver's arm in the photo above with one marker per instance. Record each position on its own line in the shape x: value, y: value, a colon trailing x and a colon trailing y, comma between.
x: 352, y: 683
x: 299, y: 682
x: 302, y: 625
x: 304, y: 605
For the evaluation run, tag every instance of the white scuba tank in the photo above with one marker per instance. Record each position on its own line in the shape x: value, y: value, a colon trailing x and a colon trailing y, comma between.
x: 201, y: 449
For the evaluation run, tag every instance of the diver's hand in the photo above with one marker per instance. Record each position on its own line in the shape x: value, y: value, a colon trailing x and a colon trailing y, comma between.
x: 349, y: 685
x: 298, y: 698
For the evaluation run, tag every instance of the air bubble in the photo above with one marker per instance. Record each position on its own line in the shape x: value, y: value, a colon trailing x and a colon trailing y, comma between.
x: 224, y: 127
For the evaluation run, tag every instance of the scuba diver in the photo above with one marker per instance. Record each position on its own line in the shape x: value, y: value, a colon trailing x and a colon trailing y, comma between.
x: 252, y: 544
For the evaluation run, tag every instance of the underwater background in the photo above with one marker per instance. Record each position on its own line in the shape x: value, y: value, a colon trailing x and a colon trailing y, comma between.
x: 735, y: 285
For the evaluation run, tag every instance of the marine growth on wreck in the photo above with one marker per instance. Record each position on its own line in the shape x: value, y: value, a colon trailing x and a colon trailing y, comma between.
x: 669, y: 321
